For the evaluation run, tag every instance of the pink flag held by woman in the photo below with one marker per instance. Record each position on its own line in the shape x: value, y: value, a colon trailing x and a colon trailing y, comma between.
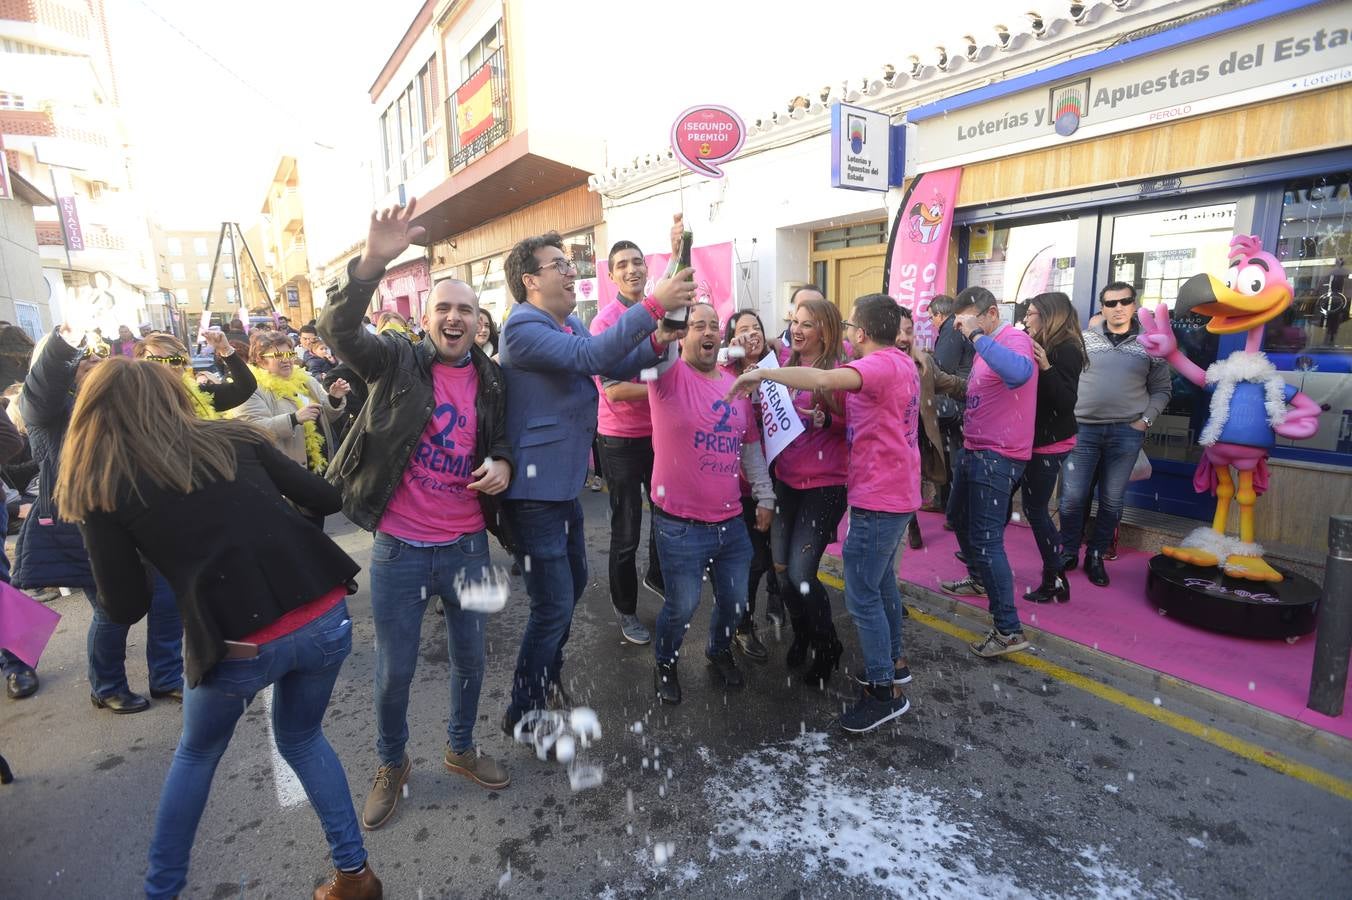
x: 25, y: 624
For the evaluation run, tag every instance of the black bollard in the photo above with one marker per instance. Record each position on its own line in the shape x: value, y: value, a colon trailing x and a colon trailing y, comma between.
x: 1328, y: 680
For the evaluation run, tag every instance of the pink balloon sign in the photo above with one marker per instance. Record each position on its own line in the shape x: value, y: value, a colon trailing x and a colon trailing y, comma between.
x: 703, y: 137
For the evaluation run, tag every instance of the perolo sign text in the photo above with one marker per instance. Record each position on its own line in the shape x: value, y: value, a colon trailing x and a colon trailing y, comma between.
x: 705, y: 136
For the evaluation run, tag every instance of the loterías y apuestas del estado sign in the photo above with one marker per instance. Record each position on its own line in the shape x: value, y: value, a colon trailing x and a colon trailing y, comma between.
x: 1302, y: 51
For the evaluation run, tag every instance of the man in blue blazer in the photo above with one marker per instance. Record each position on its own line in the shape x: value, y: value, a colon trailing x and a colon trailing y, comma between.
x: 548, y: 360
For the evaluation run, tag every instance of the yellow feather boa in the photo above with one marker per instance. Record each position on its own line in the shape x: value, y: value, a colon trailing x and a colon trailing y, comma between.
x: 201, y: 403
x: 296, y: 388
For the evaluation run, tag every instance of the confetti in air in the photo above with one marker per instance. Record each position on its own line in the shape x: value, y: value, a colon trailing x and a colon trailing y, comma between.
x: 486, y: 596
x: 564, y: 736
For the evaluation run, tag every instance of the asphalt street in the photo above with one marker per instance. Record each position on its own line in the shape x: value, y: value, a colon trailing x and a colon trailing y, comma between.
x: 1000, y: 782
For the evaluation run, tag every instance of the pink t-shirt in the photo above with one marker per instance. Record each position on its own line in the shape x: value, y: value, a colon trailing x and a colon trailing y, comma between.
x: 631, y: 418
x: 996, y: 417
x: 818, y: 456
x: 697, y: 443
x: 431, y: 504
x: 883, y: 433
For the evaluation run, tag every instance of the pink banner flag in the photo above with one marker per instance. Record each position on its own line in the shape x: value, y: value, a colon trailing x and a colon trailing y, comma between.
x: 917, y: 253
x: 25, y: 624
x: 713, y: 278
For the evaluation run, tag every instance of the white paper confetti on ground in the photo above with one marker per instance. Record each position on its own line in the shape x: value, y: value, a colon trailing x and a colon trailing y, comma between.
x: 849, y: 827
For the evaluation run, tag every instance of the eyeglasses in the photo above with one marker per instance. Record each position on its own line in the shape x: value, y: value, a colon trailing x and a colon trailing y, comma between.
x: 168, y: 360
x: 100, y: 350
x: 280, y: 355
x: 1113, y: 304
x: 562, y: 265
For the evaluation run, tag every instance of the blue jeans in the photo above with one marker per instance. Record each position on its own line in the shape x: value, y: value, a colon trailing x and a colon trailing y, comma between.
x: 1039, y: 480
x: 552, y: 551
x: 686, y: 550
x: 403, y: 579
x: 983, y: 482
x: 302, y: 668
x: 107, y: 644
x: 1114, y: 447
x: 871, y: 593
x: 805, y: 523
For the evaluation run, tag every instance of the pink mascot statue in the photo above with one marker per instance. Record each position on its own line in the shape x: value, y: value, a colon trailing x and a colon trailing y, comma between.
x: 1250, y: 402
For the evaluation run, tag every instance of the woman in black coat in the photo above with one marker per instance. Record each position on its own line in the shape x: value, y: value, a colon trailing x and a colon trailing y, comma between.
x: 50, y: 552
x: 1059, y: 349
x: 263, y: 593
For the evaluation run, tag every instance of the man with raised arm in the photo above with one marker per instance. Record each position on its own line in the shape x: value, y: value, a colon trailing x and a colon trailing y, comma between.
x: 625, y: 435
x: 420, y: 467
x: 549, y: 360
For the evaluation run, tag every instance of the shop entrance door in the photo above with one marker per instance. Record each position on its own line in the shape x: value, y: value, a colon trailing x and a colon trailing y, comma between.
x: 847, y: 262
x: 1156, y: 251
x: 855, y: 278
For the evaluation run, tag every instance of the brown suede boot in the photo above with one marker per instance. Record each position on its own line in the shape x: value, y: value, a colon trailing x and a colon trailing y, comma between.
x: 362, y: 886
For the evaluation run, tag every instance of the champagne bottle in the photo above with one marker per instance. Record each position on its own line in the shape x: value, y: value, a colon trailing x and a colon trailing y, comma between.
x: 675, y: 319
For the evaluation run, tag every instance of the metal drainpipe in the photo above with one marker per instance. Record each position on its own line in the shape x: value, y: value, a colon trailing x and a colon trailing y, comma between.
x: 1328, y: 679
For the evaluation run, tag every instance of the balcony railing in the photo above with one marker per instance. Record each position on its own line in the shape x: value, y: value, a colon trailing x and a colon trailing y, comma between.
x: 488, y: 122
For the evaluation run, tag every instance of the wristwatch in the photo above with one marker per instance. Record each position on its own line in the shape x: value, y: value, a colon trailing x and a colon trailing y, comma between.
x: 1147, y: 420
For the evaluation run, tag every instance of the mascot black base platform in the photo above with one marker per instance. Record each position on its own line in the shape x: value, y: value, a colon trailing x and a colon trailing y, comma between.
x: 1208, y: 598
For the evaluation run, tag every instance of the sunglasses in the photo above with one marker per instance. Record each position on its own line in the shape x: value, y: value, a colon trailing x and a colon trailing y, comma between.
x: 100, y: 350
x: 168, y: 360
x: 280, y: 355
x: 1113, y: 304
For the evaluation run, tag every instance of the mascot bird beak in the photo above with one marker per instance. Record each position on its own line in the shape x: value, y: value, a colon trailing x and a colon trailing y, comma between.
x: 1231, y: 312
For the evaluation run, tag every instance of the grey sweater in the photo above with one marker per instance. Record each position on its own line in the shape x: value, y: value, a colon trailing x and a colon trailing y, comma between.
x: 1120, y: 384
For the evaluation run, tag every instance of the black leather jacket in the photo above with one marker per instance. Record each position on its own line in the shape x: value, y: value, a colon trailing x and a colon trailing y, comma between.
x: 371, y: 461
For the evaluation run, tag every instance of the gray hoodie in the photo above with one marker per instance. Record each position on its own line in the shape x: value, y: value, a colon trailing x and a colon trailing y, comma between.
x: 1121, y: 383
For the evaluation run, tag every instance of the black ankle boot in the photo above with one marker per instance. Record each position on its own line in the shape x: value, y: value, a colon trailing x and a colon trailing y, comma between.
x: 826, y: 653
x: 802, y: 639
x: 1054, y: 588
x: 1094, y: 568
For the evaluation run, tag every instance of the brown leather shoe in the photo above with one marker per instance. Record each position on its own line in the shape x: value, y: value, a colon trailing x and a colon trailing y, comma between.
x: 478, y: 767
x: 384, y: 796
x: 364, y: 885
x: 342, y: 886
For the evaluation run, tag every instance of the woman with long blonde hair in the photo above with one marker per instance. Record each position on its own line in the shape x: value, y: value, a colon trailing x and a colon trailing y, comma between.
x: 209, y: 399
x: 262, y: 606
x: 290, y: 404
x: 1058, y: 349
x: 810, y: 490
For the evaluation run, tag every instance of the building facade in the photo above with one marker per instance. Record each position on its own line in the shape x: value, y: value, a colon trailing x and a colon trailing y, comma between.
x: 277, y: 242
x: 23, y: 291
x: 184, y: 259
x: 490, y: 155
x: 1124, y: 141
x: 62, y: 131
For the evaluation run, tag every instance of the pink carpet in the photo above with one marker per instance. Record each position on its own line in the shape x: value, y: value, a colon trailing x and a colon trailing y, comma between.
x: 1119, y: 620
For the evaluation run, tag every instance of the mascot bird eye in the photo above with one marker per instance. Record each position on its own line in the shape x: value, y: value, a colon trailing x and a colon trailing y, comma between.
x: 1250, y: 280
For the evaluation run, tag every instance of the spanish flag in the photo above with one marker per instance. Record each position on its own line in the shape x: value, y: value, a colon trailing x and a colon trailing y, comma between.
x: 474, y: 105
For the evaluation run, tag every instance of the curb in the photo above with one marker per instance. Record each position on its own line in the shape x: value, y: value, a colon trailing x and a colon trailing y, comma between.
x: 1099, y: 663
